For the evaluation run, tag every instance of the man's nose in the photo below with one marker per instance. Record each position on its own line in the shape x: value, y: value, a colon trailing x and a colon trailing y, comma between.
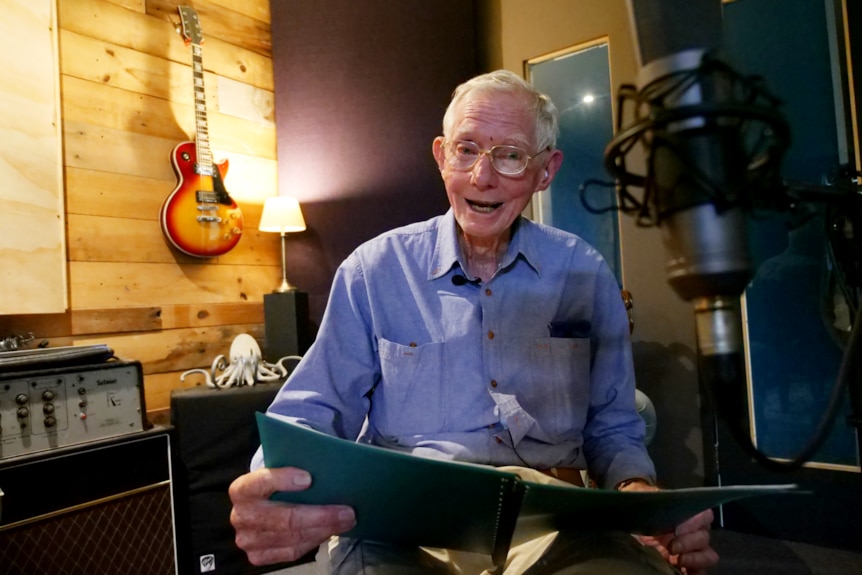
x: 483, y: 172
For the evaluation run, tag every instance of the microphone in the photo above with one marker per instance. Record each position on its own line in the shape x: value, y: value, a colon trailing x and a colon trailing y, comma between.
x: 460, y: 280
x: 701, y: 175
x: 713, y: 144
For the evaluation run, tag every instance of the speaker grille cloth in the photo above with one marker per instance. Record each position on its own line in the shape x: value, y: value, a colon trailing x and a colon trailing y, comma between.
x: 132, y: 534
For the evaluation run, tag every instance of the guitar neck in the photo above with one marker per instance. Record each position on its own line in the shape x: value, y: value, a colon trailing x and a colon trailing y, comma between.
x: 202, y: 137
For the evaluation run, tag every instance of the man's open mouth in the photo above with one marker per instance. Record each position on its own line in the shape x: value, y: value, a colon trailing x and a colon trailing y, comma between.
x: 484, y: 207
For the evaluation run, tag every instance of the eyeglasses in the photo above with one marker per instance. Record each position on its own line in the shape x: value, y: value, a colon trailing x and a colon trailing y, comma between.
x: 507, y: 160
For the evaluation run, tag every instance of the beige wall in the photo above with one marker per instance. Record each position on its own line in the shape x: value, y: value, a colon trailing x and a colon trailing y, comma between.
x: 664, y: 341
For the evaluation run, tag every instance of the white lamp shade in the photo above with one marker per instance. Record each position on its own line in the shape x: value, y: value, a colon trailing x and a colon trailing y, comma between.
x: 281, y: 214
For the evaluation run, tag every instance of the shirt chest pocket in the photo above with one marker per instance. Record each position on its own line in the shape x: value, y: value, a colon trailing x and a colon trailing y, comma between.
x: 411, y: 397
x: 551, y: 381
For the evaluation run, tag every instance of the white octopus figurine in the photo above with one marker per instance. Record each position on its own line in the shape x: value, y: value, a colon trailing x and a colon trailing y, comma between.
x: 246, y: 366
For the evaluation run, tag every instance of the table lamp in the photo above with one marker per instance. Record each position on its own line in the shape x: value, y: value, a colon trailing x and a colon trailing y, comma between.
x: 282, y: 214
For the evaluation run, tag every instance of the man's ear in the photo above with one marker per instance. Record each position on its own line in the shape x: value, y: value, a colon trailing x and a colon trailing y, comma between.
x: 551, y: 169
x: 439, y: 152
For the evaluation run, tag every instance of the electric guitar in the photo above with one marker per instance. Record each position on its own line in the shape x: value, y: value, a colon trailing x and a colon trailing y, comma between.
x: 199, y: 218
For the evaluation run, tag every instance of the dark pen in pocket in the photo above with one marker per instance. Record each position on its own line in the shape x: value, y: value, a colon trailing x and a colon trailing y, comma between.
x: 572, y: 328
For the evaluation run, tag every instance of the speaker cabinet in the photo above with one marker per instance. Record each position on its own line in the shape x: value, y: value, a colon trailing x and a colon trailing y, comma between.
x: 215, y: 439
x: 101, y: 509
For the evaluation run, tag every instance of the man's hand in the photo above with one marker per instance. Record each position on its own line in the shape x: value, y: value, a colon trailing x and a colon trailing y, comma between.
x: 273, y: 531
x: 690, y: 544
x: 687, y: 548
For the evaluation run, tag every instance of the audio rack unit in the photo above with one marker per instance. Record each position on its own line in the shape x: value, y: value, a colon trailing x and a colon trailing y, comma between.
x: 44, y: 409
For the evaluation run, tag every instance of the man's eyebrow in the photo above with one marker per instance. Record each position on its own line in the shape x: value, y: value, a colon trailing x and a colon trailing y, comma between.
x: 507, y: 141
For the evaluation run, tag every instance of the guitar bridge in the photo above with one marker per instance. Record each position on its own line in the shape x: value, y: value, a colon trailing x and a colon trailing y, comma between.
x: 209, y: 219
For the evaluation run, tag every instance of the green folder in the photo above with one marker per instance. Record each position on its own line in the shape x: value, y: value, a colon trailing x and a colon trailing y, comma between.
x: 405, y: 499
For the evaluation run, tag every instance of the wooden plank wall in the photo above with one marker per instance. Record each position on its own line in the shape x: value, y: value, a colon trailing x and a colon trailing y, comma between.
x: 127, y: 95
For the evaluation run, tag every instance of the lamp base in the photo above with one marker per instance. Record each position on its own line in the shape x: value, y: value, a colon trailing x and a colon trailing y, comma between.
x: 286, y: 324
x: 284, y: 287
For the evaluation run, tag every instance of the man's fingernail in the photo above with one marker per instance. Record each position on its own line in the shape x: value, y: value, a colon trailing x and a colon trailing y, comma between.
x: 302, y: 480
x: 346, y: 516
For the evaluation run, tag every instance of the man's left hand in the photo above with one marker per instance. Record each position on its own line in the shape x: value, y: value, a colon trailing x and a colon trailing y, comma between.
x: 687, y: 548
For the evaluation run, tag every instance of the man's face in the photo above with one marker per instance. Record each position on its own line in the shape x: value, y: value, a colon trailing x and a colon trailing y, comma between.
x: 485, y: 203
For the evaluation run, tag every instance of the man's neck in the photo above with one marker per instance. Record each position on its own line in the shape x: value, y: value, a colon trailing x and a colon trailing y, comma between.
x: 482, y: 257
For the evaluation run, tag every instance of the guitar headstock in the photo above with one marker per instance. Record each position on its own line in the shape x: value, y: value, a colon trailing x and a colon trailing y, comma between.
x: 191, y: 25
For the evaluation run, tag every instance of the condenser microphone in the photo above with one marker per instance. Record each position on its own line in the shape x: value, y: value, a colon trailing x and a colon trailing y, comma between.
x: 702, y: 176
x: 698, y: 170
x: 697, y: 164
x: 702, y: 172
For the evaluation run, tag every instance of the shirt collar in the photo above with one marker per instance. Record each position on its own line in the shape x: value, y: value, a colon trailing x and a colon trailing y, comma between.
x: 447, y: 252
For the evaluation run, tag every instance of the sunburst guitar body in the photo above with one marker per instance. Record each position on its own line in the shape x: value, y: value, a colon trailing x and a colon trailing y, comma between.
x: 199, y: 218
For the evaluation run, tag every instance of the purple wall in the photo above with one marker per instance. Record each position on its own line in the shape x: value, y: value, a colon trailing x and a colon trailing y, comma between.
x: 360, y: 91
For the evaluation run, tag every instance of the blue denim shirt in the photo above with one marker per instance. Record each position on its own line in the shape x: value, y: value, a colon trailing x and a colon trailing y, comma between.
x: 531, y: 368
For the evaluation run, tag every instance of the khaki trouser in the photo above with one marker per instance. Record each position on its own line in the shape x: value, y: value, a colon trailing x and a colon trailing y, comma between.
x: 533, y: 552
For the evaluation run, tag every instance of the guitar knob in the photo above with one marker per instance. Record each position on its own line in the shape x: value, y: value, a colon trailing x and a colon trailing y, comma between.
x: 236, y: 231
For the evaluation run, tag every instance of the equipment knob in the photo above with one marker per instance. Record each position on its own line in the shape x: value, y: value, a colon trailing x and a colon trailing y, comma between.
x: 23, y: 412
x: 50, y: 421
x: 47, y: 395
x: 82, y: 391
x: 48, y: 408
x: 22, y: 399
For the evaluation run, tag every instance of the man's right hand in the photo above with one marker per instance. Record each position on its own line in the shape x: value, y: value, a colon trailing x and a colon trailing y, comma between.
x: 273, y: 531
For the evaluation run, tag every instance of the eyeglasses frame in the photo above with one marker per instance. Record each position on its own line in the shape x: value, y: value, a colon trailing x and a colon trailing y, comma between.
x: 445, y: 145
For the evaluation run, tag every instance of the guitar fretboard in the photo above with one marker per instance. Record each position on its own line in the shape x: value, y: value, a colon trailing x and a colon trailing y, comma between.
x: 202, y: 139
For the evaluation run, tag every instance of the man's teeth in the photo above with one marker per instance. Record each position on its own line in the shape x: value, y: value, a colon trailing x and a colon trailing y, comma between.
x: 485, y: 207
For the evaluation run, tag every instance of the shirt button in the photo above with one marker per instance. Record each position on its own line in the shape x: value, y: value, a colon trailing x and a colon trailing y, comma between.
x: 490, y: 335
x: 493, y: 383
x: 488, y: 291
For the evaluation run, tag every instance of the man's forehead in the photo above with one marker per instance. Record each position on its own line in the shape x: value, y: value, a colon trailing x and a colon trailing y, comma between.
x: 494, y: 115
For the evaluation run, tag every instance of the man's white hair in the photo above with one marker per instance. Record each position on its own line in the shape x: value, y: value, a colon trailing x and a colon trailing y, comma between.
x: 539, y: 104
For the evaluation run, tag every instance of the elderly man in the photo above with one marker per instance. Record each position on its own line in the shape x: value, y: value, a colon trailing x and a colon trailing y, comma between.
x: 477, y: 336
